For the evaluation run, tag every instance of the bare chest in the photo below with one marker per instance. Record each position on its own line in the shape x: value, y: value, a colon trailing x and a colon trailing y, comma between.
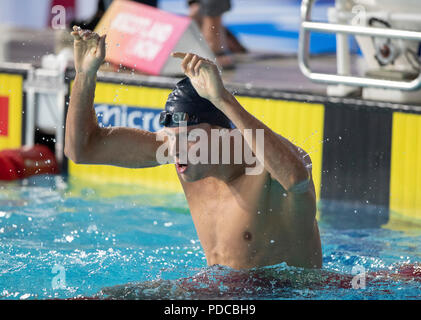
x: 240, y: 222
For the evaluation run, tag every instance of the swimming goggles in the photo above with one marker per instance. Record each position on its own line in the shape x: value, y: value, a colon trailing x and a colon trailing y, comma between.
x: 169, y: 119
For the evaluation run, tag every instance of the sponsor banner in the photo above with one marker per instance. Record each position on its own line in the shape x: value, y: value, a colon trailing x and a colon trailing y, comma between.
x: 4, y: 115
x: 140, y: 36
x: 11, y: 110
x: 405, y: 182
x: 128, y: 116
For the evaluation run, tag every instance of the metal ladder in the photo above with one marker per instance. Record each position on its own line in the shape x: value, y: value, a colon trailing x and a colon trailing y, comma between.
x: 342, y: 30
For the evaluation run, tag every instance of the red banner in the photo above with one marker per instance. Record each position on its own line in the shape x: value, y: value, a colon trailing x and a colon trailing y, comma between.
x: 4, y: 115
x: 140, y: 36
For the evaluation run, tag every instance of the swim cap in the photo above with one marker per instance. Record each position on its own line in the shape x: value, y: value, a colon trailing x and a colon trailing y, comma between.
x: 185, y: 99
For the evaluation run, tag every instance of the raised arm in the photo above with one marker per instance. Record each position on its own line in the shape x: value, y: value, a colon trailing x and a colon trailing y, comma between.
x: 85, y: 141
x: 285, y: 162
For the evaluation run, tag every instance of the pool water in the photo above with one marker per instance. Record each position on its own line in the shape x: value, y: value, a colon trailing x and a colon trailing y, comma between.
x: 66, y: 239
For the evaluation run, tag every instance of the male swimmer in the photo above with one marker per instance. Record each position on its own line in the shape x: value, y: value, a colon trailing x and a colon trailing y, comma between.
x: 242, y: 220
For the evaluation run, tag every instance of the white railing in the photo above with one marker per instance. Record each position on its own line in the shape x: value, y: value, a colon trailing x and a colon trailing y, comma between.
x: 307, y: 26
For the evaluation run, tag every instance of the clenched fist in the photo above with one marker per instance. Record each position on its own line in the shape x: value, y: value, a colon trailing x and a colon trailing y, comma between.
x: 89, y: 50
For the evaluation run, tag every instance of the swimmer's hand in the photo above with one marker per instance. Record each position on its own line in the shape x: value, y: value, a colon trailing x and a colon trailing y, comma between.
x: 89, y: 50
x: 204, y: 76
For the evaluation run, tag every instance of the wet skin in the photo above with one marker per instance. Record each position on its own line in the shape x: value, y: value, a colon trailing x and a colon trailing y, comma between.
x: 245, y: 221
x: 248, y: 223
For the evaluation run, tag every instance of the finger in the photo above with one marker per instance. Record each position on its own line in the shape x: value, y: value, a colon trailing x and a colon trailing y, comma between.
x: 180, y: 55
x: 86, y: 34
x: 186, y: 61
x: 192, y: 64
x: 199, y: 65
x: 84, y: 31
x: 93, y: 36
x: 76, y: 35
x: 101, y: 47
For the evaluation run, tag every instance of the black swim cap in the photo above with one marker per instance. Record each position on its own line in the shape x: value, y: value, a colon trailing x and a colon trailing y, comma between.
x: 185, y: 99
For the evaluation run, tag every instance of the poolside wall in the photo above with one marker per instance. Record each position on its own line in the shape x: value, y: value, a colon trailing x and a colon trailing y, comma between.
x: 365, y: 154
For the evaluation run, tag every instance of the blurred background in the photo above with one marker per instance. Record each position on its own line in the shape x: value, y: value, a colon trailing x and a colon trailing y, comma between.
x: 265, y: 25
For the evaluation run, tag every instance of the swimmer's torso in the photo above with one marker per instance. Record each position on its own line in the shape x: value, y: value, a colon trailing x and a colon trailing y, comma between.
x: 252, y: 222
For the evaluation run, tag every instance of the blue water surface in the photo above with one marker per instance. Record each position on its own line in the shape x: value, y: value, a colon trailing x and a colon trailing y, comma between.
x: 66, y: 239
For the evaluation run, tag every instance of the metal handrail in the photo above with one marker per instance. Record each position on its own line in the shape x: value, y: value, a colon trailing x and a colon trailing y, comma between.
x: 303, y: 51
